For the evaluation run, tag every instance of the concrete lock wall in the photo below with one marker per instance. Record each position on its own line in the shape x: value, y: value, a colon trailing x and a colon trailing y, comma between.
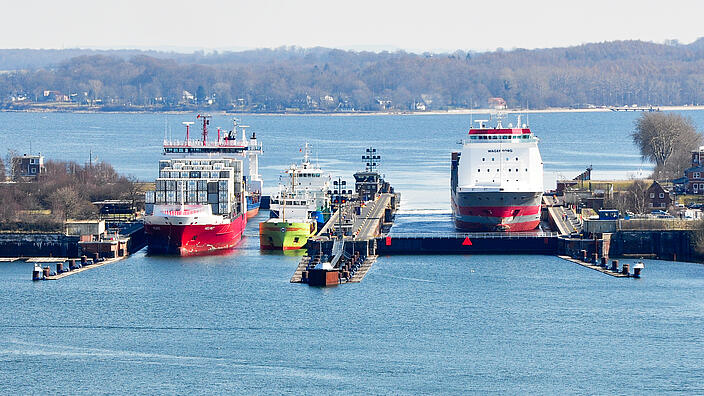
x: 668, y: 245
x: 38, y: 244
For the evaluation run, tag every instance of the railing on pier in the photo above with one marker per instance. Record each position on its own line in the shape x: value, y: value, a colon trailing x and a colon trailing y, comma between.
x: 471, y: 235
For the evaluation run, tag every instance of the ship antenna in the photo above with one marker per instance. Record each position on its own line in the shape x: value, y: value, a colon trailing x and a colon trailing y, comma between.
x: 188, y: 125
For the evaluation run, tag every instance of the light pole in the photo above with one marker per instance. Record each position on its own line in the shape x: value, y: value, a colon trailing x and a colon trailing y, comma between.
x: 339, y: 194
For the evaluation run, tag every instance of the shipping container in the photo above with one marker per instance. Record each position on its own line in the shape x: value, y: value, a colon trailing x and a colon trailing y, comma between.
x: 212, y: 187
x: 192, y: 185
x: 149, y: 197
x: 214, y: 209
x: 160, y: 197
x: 202, y: 197
x: 192, y: 197
x: 202, y: 185
x: 213, y: 198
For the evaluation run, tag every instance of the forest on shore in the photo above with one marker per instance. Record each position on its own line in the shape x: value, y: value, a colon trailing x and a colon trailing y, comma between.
x: 291, y: 79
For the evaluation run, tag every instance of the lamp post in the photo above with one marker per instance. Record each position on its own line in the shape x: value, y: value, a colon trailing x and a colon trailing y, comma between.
x: 339, y: 196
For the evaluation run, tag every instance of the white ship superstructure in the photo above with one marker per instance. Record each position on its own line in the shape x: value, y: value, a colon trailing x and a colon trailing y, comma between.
x: 497, y: 179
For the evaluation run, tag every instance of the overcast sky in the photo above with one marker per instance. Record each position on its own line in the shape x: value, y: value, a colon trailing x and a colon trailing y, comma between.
x: 431, y: 25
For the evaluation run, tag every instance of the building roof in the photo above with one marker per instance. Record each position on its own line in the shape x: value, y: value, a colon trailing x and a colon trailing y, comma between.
x: 699, y: 168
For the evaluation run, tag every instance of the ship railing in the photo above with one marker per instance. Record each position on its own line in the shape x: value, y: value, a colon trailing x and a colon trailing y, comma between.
x: 209, y: 143
x: 470, y: 235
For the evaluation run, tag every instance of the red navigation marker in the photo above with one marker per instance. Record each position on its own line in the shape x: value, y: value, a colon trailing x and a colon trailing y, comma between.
x: 388, y: 241
x: 466, y: 242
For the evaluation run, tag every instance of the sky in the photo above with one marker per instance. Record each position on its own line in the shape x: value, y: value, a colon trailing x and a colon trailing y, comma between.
x: 411, y: 25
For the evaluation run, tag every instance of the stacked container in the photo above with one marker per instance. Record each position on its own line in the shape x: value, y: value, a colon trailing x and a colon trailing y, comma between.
x: 214, y: 182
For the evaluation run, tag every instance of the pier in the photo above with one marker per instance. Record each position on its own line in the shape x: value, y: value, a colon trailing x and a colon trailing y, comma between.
x: 83, y: 268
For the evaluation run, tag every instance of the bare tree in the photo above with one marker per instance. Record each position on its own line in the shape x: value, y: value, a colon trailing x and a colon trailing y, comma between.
x: 666, y: 139
x: 66, y: 201
x: 3, y: 175
x: 632, y: 199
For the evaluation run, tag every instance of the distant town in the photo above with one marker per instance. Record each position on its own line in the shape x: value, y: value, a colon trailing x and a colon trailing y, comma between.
x: 323, y: 80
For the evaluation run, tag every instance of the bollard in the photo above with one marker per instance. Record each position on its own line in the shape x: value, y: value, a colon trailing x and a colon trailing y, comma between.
x: 625, y: 269
x: 637, y: 267
x: 584, y: 255
x: 96, y: 257
x: 59, y: 268
x: 595, y: 258
x: 37, y: 273
x: 614, y: 266
x: 47, y: 271
x: 72, y: 264
x: 84, y: 260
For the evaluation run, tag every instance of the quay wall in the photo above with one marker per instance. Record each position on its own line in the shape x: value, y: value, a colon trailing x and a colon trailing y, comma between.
x: 458, y: 245
x: 662, y: 244
x: 38, y: 245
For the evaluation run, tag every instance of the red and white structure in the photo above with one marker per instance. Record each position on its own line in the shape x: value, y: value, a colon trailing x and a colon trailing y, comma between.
x: 497, y: 179
x: 204, y: 193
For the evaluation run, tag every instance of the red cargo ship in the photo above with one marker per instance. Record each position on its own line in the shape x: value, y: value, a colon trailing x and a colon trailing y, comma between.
x: 200, y: 204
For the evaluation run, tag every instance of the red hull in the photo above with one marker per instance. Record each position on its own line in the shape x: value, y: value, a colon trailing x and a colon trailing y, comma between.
x: 512, y: 227
x: 187, y: 240
x: 496, y: 217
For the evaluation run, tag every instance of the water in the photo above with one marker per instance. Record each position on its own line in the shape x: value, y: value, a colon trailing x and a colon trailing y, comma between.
x: 416, y: 324
x: 415, y: 149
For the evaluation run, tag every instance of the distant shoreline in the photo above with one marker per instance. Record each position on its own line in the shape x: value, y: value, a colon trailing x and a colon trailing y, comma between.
x: 347, y: 114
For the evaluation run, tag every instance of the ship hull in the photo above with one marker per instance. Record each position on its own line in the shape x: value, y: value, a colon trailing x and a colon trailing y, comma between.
x: 252, y: 206
x: 496, y: 211
x: 283, y: 235
x: 193, y: 239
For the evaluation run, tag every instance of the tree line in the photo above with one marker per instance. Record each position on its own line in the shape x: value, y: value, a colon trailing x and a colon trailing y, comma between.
x: 322, y: 79
x: 64, y: 190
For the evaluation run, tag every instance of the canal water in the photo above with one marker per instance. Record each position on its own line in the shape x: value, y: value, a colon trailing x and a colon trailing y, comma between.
x: 416, y: 324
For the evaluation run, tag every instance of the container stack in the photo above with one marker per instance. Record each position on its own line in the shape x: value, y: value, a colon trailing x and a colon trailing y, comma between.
x: 214, y: 182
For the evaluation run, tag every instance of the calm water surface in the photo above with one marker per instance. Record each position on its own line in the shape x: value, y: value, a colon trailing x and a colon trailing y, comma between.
x: 417, y: 324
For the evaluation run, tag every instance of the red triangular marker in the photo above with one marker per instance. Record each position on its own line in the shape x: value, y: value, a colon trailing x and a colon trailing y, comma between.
x: 467, y: 242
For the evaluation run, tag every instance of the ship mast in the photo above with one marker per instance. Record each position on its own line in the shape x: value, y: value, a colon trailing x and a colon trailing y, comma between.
x: 187, y: 124
x: 206, y: 122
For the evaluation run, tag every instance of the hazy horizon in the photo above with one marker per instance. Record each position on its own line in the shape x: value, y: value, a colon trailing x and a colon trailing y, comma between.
x: 411, y: 26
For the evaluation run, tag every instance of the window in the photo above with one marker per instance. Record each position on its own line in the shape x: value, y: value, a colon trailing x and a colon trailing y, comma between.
x: 696, y: 175
x: 652, y: 195
x: 701, y: 186
x: 662, y: 195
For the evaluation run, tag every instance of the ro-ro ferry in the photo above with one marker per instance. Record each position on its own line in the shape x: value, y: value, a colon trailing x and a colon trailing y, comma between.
x: 497, y: 179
